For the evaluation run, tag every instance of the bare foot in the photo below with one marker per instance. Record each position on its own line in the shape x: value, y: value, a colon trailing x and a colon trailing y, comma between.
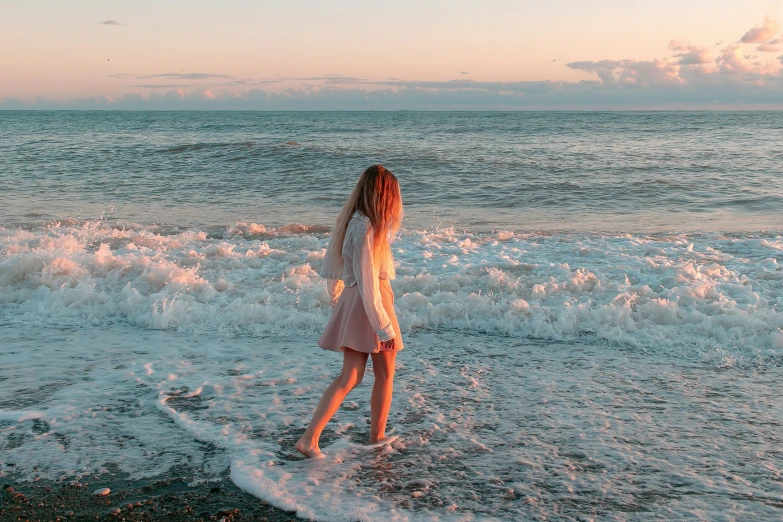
x: 309, y: 450
x: 376, y: 440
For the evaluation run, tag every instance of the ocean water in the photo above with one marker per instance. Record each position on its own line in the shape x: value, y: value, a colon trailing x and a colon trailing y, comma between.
x: 592, y: 305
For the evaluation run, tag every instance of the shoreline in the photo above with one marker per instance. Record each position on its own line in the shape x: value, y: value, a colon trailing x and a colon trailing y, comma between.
x: 171, y: 496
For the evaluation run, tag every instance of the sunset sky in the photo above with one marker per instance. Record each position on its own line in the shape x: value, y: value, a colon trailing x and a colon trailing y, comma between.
x: 424, y: 54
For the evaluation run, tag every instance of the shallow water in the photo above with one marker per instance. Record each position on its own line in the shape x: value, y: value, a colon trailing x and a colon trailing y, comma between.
x: 482, y: 427
x: 592, y: 306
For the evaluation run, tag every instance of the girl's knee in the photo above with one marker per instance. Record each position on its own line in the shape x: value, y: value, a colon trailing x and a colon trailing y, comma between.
x: 384, y: 373
x: 350, y: 378
x: 358, y: 377
x: 383, y: 367
x: 354, y: 364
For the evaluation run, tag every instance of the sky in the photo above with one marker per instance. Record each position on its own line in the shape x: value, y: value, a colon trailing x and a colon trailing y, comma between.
x: 398, y: 54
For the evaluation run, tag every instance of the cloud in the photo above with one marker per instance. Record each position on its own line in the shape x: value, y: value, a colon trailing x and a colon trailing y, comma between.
x: 772, y: 46
x: 763, y: 32
x: 678, y: 45
x: 463, y: 84
x: 690, y: 54
x: 186, y: 76
x: 464, y: 72
x: 202, y: 95
x: 691, y: 65
x: 244, y: 81
x: 231, y: 80
x: 161, y: 86
x: 333, y: 79
x: 658, y: 72
x: 715, y: 92
x: 732, y: 60
x: 110, y: 22
x: 695, y: 55
x: 262, y: 81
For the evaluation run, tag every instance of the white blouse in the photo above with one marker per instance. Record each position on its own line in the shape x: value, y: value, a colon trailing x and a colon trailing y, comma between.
x: 357, y: 266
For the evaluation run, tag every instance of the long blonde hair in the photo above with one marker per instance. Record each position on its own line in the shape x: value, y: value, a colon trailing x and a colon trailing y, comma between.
x: 377, y: 196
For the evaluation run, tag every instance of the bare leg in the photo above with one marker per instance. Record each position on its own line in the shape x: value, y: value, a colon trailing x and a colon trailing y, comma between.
x: 351, y: 375
x: 382, y: 389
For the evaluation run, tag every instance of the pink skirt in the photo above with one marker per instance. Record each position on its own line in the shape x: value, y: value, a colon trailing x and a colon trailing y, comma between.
x: 349, y: 327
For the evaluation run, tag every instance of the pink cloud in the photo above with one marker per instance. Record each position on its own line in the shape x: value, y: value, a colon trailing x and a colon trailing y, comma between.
x: 732, y: 60
x: 198, y: 95
x: 763, y: 32
x: 678, y: 45
x: 691, y: 64
x: 695, y: 55
x: 772, y: 46
x: 175, y: 95
x: 632, y: 72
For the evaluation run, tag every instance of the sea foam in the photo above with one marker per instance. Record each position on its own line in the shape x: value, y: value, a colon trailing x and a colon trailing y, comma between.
x: 708, y: 297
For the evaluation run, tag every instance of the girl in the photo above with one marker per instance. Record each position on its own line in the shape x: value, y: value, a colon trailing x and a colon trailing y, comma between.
x: 358, y: 266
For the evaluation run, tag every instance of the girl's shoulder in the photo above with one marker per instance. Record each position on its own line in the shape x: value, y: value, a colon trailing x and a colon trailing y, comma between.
x: 359, y: 225
x: 359, y: 221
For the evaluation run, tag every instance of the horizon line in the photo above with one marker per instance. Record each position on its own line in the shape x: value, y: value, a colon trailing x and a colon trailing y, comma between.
x: 399, y: 110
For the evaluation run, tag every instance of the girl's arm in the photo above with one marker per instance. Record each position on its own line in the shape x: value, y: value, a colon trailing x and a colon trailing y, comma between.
x: 366, y: 272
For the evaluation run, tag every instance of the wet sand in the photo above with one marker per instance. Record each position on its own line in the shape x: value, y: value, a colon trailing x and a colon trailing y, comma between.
x: 171, y: 497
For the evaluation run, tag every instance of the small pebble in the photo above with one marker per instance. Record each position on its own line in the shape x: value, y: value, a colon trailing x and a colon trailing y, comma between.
x: 114, y: 511
x: 101, y: 492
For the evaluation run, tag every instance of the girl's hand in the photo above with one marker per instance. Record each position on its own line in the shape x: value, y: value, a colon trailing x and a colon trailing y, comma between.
x: 387, y: 346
